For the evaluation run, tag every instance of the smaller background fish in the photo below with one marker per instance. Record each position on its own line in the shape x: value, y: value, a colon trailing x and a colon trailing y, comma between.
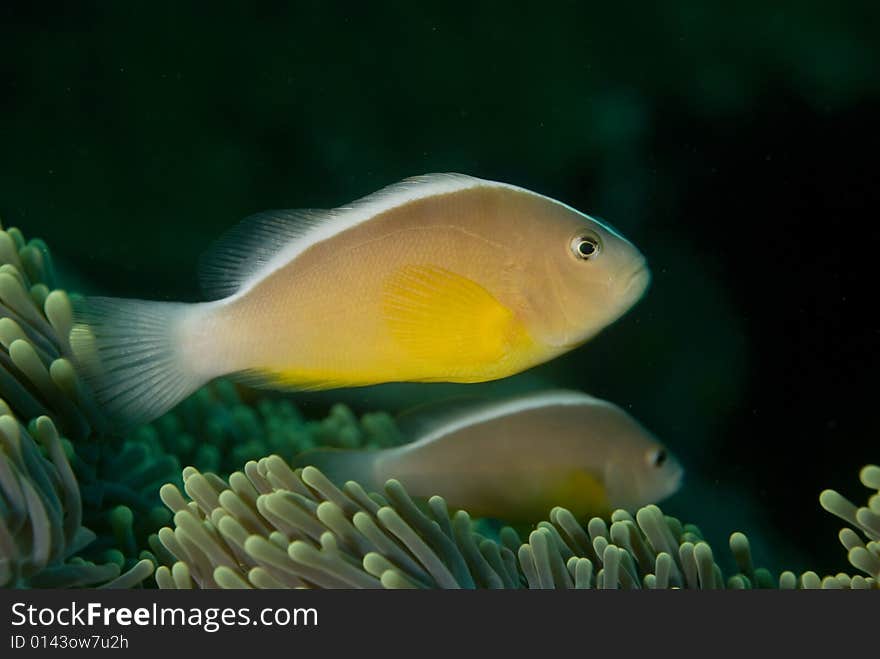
x: 515, y: 459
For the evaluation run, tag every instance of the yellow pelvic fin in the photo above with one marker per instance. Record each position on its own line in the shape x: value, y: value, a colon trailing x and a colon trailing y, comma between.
x: 450, y: 324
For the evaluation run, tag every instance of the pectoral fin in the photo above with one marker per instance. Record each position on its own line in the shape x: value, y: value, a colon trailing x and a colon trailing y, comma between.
x: 450, y: 323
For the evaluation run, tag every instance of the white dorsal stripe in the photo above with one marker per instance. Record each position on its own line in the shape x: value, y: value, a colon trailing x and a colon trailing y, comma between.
x: 498, y: 409
x: 308, y: 228
x: 336, y: 220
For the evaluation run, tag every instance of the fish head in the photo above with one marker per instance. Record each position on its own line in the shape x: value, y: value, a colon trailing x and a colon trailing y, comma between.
x: 642, y: 471
x: 636, y: 468
x: 594, y: 275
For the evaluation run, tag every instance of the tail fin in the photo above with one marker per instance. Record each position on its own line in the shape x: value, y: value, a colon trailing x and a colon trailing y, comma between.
x: 341, y: 465
x: 132, y: 354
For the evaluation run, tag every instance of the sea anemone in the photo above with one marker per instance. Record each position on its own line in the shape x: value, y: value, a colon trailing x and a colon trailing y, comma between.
x: 41, y: 531
x: 863, y: 551
x: 274, y: 527
x: 271, y: 526
x: 37, y: 375
x: 39, y: 381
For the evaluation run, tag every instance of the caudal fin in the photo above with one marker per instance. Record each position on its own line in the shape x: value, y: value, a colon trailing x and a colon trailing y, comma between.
x: 341, y: 465
x: 132, y: 353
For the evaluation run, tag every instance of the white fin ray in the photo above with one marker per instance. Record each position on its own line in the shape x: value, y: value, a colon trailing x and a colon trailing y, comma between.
x: 424, y: 418
x: 250, y: 245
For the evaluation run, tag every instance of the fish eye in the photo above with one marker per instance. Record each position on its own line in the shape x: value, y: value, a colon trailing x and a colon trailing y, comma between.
x: 585, y: 247
x: 658, y: 457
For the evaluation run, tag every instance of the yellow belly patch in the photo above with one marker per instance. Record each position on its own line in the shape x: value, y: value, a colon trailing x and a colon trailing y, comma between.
x: 441, y: 327
x: 581, y: 492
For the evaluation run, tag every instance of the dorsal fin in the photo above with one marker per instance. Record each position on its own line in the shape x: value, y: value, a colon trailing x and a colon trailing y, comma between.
x: 266, y: 241
x: 420, y: 420
x: 250, y: 245
x: 429, y: 422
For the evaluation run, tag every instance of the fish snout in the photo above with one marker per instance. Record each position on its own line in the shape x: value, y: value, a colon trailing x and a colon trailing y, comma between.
x: 635, y: 283
x: 677, y: 479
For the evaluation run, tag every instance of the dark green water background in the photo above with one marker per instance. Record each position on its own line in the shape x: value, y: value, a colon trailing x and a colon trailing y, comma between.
x: 736, y: 146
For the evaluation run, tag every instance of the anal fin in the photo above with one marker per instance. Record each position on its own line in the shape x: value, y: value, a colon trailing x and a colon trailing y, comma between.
x: 298, y: 380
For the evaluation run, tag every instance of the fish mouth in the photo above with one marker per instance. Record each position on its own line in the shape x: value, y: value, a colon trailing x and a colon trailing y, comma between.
x: 636, y: 282
x: 678, y: 479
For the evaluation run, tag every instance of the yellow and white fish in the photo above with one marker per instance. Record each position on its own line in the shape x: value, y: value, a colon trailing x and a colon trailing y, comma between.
x: 443, y: 277
x: 515, y: 459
